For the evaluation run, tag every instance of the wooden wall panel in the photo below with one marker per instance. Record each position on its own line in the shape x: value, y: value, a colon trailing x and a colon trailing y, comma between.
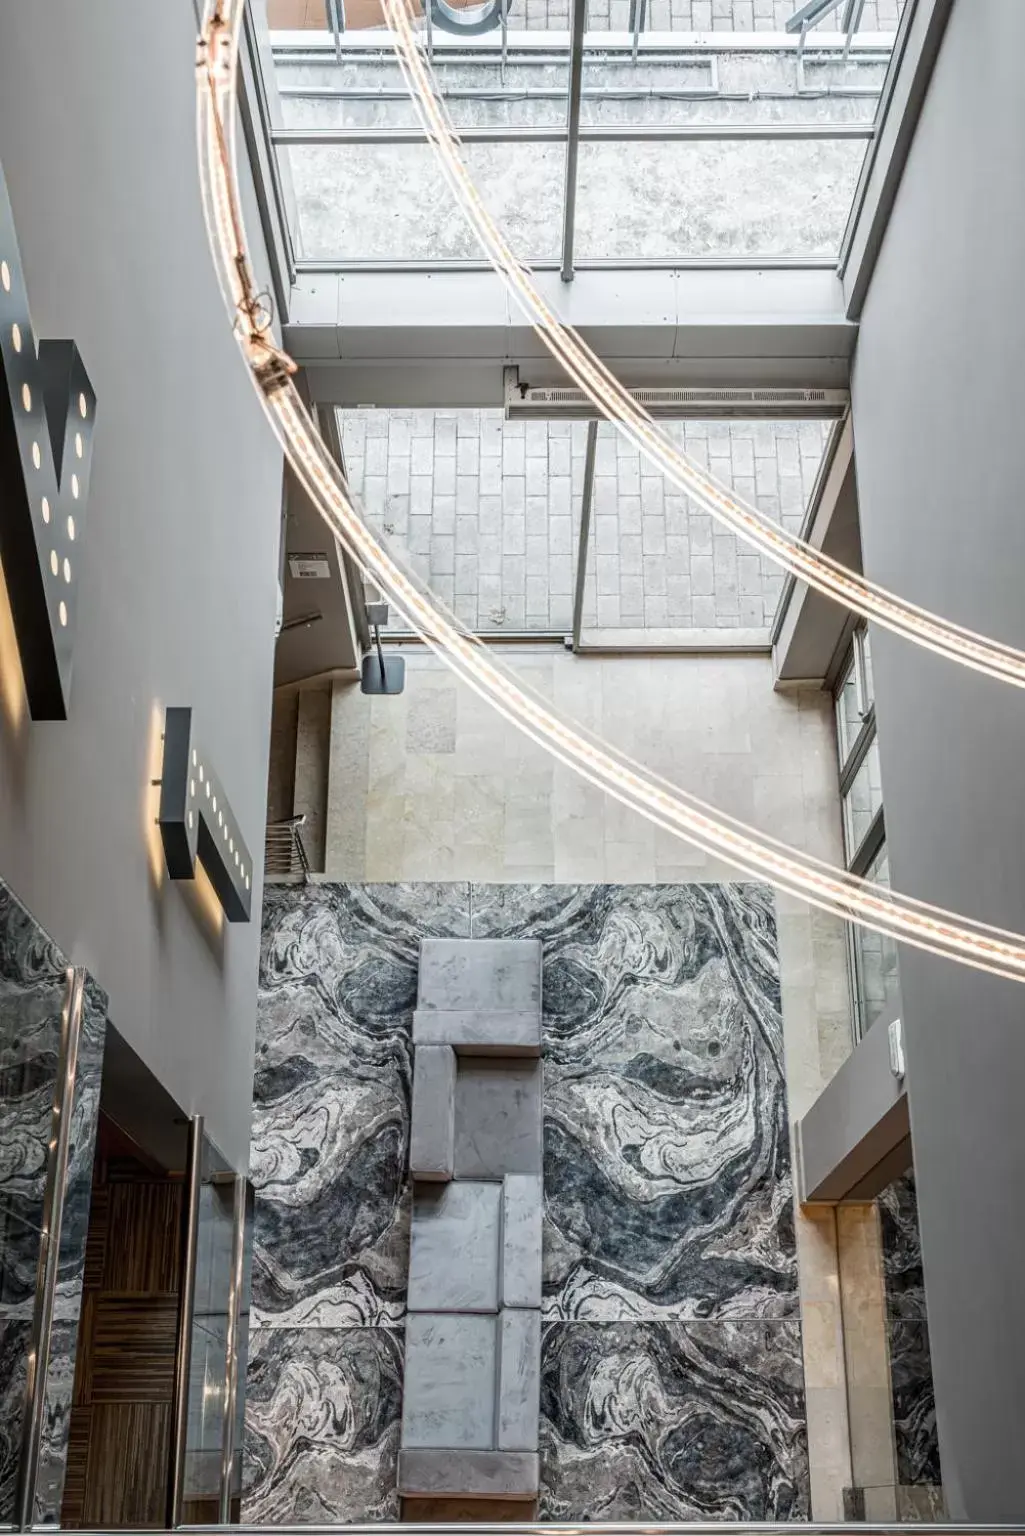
x: 127, y: 1447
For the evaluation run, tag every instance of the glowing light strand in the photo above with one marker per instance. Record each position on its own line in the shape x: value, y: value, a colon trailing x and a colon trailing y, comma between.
x: 834, y: 890
x: 919, y: 625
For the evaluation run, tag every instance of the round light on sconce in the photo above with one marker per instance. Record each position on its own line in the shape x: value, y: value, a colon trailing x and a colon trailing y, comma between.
x: 67, y: 571
x: 37, y: 457
x: 194, y: 757
x: 231, y: 845
x: 192, y: 788
x: 26, y: 397
x: 74, y: 486
x: 236, y: 861
x: 54, y: 562
x: 45, y: 505
x: 83, y: 408
x: 71, y: 525
x: 190, y: 821
x: 5, y: 276
x: 16, y: 336
x: 78, y: 445
x: 63, y: 614
x: 225, y: 831
x: 207, y: 786
x: 247, y: 882
x: 220, y: 815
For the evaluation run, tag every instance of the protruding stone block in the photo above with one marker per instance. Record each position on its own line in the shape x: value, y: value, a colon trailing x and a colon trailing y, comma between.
x: 519, y: 1379
x: 497, y: 1118
x: 479, y: 1034
x: 522, y: 1203
x: 432, y: 1128
x: 480, y: 975
x: 448, y: 1398
x: 474, y: 1474
x: 454, y: 1251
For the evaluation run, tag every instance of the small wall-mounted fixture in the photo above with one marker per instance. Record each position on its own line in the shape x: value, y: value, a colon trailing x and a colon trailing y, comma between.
x: 47, y: 409
x: 196, y: 820
x: 380, y: 675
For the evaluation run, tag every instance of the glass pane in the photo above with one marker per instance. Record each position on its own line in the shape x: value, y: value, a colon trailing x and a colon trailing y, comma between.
x: 390, y: 202
x: 862, y: 801
x: 866, y: 653
x: 484, y: 509
x: 204, y: 1444
x: 848, y: 716
x: 656, y: 562
x: 676, y: 200
x: 876, y: 979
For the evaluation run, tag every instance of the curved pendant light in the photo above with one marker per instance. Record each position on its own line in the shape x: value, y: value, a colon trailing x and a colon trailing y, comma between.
x: 749, y: 851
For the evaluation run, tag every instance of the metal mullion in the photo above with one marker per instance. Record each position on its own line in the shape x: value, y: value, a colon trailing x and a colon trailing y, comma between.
x: 238, y: 1236
x: 874, y: 838
x: 355, y: 266
x: 595, y: 133
x: 186, y: 1316
x: 58, y: 1160
x: 859, y: 751
x: 572, y: 132
x: 882, y: 108
x: 586, y: 497
x: 640, y: 7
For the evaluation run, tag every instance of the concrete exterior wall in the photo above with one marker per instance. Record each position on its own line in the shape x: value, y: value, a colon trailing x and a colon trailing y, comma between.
x: 179, y: 562
x: 939, y: 398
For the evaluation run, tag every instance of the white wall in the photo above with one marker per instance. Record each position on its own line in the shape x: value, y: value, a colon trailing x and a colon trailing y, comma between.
x: 939, y: 407
x: 179, y: 563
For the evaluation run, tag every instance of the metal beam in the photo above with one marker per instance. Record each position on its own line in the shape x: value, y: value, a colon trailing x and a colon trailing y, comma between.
x: 444, y: 338
x: 911, y: 65
x: 585, y: 532
x: 569, y: 195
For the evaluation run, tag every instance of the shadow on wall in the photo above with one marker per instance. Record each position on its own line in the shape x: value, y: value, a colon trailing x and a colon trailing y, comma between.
x: 672, y: 1381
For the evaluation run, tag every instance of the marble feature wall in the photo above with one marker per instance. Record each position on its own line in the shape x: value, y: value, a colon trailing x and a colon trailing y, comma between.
x: 914, y: 1403
x: 32, y: 996
x: 671, y: 1368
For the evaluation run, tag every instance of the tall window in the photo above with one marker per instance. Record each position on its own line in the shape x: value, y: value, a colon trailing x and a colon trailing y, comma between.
x: 872, y: 957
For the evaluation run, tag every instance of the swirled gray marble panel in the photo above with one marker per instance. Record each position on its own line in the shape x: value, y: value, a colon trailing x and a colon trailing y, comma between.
x: 323, y: 1407
x: 33, y: 991
x: 338, y: 980
x: 673, y: 1421
x: 667, y: 1181
x: 914, y: 1402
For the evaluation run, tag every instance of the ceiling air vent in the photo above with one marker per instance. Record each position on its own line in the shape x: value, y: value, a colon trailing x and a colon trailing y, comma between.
x: 526, y: 402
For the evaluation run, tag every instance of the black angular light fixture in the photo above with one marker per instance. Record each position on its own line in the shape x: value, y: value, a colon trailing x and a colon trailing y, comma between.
x: 196, y: 820
x: 47, y: 410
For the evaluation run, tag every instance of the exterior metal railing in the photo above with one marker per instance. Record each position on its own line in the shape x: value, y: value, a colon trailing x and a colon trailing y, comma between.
x: 285, y: 856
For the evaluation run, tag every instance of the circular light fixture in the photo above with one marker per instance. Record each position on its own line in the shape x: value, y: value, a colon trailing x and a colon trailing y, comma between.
x: 45, y: 509
x: 26, y: 397
x: 824, y: 885
x: 83, y: 408
x: 67, y: 570
x: 71, y: 526
x: 37, y: 457
x: 63, y: 612
x: 78, y: 445
x: 16, y: 336
x: 5, y: 276
x: 192, y: 787
x: 54, y: 562
x: 190, y: 821
x: 74, y: 486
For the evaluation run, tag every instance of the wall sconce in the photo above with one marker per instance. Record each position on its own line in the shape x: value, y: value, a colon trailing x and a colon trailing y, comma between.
x: 196, y: 820
x: 47, y: 410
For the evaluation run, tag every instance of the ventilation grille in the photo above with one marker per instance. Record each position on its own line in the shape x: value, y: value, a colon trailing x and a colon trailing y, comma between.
x: 804, y: 404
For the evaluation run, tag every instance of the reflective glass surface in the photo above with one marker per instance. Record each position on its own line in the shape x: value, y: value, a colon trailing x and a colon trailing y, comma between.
x: 862, y: 800
x: 876, y: 978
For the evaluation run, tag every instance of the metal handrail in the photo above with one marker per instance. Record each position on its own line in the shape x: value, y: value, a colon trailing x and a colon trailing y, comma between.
x: 284, y: 851
x: 624, y: 1528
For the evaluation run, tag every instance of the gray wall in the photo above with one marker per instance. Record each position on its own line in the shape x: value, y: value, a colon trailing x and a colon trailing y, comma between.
x: 939, y: 406
x: 179, y: 563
